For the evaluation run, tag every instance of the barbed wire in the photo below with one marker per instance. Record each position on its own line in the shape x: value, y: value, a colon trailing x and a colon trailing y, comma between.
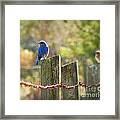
x: 61, y: 85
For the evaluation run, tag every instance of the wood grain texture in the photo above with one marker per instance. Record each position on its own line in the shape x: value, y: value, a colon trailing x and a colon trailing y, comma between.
x: 92, y: 78
x: 50, y: 70
x: 70, y: 77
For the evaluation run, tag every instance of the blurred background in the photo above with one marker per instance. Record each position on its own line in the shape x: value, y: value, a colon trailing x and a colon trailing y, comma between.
x: 72, y: 39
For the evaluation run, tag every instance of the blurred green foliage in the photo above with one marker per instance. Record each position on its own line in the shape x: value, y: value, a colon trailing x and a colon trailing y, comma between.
x: 69, y: 38
x: 72, y: 39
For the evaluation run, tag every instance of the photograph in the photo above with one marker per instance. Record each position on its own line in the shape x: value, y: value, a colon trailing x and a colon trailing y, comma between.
x: 60, y: 59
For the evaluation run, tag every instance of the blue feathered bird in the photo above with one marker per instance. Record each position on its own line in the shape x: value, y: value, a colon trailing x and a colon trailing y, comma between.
x: 43, y: 51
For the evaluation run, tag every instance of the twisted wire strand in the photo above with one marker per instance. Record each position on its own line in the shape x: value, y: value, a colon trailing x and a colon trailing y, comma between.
x: 62, y: 85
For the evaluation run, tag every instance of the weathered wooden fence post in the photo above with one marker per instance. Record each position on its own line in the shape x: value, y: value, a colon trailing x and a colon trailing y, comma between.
x: 50, y: 74
x: 70, y: 75
x: 92, y: 82
x: 83, y: 64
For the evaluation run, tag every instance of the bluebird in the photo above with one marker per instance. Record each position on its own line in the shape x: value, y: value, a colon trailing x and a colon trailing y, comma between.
x: 43, y: 51
x: 97, y: 56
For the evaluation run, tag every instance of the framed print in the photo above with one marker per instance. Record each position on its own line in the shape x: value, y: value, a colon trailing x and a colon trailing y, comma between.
x: 60, y: 59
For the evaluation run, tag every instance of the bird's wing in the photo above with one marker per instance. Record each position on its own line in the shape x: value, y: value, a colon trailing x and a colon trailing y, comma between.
x: 47, y: 52
x: 44, y: 53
